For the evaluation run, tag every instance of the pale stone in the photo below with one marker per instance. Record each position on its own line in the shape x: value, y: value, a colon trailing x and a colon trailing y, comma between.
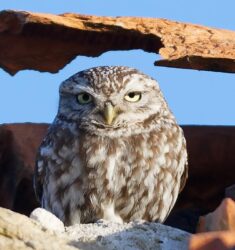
x: 138, y: 235
x: 47, y: 220
x: 18, y: 232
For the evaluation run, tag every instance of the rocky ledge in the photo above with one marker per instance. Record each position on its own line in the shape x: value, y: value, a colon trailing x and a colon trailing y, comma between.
x: 41, y: 38
x: 44, y: 231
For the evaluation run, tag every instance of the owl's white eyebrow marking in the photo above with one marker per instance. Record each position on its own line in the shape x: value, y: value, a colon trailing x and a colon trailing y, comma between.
x: 87, y: 90
x: 84, y: 89
x: 76, y: 89
x: 137, y: 83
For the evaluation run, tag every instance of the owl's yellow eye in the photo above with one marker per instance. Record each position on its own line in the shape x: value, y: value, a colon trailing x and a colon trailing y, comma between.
x: 84, y: 98
x: 133, y: 96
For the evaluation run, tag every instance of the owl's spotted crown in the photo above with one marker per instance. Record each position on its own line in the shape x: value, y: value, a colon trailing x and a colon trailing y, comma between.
x: 108, y: 79
x: 110, y: 72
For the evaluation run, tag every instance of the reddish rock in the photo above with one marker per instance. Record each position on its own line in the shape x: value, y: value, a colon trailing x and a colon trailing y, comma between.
x: 223, y: 218
x: 213, y: 241
x: 211, y: 168
x: 9, y: 168
x: 40, y: 38
x: 18, y: 146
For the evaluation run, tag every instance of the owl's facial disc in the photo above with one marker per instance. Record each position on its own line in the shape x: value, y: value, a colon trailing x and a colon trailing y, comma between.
x: 110, y: 100
x: 114, y: 111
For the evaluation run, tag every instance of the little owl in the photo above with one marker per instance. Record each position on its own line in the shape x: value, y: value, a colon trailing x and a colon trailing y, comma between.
x: 113, y: 152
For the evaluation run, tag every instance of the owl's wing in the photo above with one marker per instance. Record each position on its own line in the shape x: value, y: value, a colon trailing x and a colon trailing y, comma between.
x: 41, y: 163
x: 38, y: 182
x: 184, y: 177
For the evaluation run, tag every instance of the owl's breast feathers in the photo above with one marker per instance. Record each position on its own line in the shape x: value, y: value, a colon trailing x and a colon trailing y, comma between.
x: 82, y: 177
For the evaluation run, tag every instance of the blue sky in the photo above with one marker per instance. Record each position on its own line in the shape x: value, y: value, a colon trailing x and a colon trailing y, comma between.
x: 195, y: 97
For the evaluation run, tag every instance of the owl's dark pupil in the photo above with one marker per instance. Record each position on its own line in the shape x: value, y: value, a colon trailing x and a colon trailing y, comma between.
x: 132, y: 94
x: 86, y: 97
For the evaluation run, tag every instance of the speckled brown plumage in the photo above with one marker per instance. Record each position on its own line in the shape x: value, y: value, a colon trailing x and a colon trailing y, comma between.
x: 130, y: 164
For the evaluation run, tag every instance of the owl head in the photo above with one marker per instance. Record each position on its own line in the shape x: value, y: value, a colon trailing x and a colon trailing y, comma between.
x: 110, y: 98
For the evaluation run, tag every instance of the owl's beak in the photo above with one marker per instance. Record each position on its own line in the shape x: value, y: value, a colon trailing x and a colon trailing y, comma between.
x: 109, y: 113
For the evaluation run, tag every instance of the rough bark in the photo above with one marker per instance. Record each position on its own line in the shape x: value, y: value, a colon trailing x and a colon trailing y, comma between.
x: 47, y: 42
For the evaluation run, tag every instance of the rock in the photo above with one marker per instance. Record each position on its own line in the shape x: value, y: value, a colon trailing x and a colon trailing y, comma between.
x: 230, y: 192
x: 20, y: 232
x: 223, y: 218
x: 47, y: 220
x: 9, y: 168
x: 181, y: 45
x: 211, y: 164
x: 213, y: 241
x: 18, y: 147
x: 131, y: 236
